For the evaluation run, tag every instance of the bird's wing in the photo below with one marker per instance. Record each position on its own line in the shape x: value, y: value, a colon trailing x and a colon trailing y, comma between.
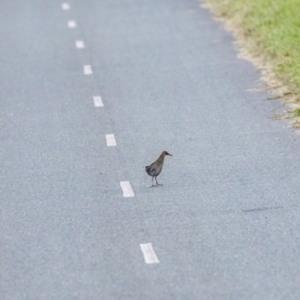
x: 151, y: 169
x: 155, y: 169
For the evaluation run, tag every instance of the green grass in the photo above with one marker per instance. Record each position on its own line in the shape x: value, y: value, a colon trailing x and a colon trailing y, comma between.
x: 297, y: 112
x: 270, y: 30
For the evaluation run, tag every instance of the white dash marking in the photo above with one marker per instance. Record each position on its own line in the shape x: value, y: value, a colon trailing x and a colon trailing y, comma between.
x: 110, y: 140
x: 65, y: 6
x: 98, y: 101
x: 87, y: 70
x: 72, y: 24
x: 127, y: 189
x: 149, y: 254
x: 79, y: 44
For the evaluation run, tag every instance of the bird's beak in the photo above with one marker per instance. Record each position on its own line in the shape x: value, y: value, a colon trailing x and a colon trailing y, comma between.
x: 170, y: 154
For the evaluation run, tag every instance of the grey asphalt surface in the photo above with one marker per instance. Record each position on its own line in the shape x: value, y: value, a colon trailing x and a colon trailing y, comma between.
x: 225, y: 224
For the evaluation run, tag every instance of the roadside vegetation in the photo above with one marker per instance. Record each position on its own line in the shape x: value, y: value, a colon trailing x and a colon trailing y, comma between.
x: 268, y: 34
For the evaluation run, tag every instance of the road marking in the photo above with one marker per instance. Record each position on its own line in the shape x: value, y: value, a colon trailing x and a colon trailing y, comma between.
x: 65, y: 6
x: 127, y: 189
x: 72, y: 24
x: 110, y: 140
x: 87, y: 70
x: 149, y: 254
x: 98, y: 101
x: 79, y: 44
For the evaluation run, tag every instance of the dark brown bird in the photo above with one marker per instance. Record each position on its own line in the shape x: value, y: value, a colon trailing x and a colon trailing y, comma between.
x: 155, y: 168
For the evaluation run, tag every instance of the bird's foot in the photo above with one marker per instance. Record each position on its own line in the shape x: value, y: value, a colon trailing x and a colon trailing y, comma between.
x: 152, y: 185
x: 158, y: 184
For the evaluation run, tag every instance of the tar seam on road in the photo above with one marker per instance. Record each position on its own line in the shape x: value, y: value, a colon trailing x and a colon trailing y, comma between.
x: 79, y: 44
x: 98, y: 101
x: 65, y: 6
x: 110, y: 140
x: 127, y: 189
x: 87, y: 70
x: 149, y: 254
x: 72, y: 24
x: 261, y: 209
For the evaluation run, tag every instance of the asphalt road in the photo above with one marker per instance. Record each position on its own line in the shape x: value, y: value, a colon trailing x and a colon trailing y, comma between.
x: 224, y: 225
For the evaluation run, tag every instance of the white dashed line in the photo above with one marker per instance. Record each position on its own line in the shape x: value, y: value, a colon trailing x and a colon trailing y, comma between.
x: 127, y: 189
x: 149, y: 254
x: 98, y: 101
x: 65, y: 6
x: 110, y: 140
x: 72, y: 24
x: 79, y: 44
x: 87, y: 70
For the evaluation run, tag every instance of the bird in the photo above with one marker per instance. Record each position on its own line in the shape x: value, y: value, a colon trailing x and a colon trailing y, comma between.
x: 155, y: 168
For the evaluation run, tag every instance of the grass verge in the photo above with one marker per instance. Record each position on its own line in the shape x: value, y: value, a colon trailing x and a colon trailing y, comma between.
x: 268, y: 34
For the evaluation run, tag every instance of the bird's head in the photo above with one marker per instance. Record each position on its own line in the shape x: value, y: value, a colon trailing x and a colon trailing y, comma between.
x: 166, y: 153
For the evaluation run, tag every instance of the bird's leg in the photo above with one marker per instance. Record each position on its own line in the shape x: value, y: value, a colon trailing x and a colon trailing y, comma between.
x: 156, y: 181
x: 152, y: 185
x: 152, y: 181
